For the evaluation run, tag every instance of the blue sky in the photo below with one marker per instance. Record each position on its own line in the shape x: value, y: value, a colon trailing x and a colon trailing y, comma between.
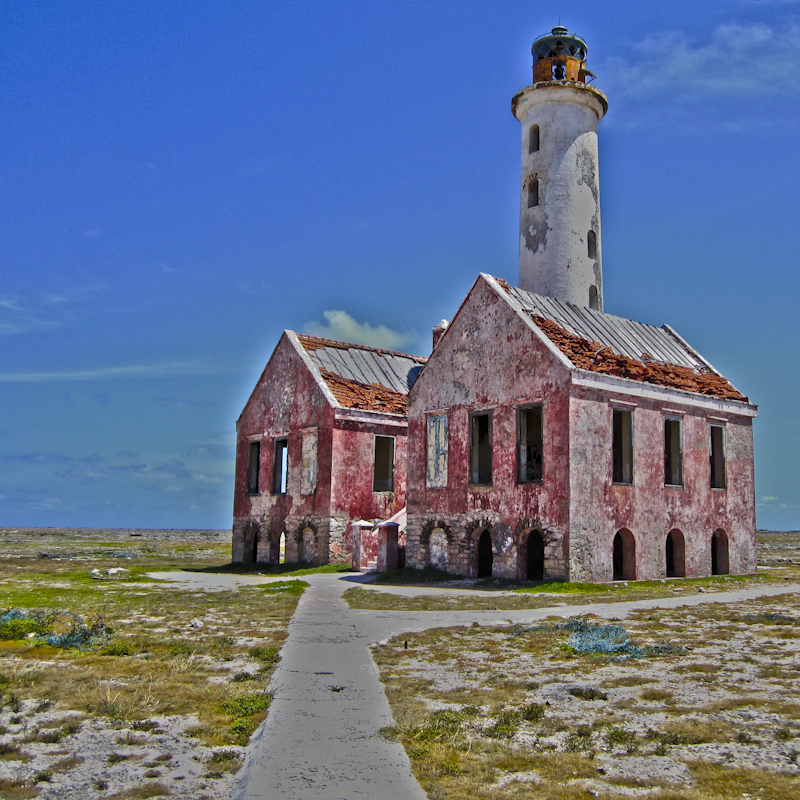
x: 182, y: 181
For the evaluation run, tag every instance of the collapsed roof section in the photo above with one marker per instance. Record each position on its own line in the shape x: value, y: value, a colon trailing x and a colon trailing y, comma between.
x: 598, y: 342
x: 362, y: 377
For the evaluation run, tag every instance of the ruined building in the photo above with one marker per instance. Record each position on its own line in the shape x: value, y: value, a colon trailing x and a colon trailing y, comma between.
x: 321, y: 443
x: 542, y: 439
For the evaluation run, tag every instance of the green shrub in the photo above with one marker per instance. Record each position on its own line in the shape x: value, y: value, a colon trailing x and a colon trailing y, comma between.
x: 287, y: 587
x: 116, y: 648
x: 533, y: 712
x: 268, y: 656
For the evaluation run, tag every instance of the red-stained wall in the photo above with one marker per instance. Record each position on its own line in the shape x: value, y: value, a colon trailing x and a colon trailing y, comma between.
x: 353, y: 453
x: 490, y: 360
x: 287, y: 400
x: 648, y: 508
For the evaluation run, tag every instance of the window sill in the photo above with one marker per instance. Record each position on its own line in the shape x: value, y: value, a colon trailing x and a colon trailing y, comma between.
x: 531, y: 483
x: 622, y: 484
x: 674, y: 486
x: 481, y: 488
x: 719, y: 488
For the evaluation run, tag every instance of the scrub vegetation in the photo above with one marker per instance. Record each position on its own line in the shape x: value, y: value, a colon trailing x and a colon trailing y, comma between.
x: 695, y: 703
x: 172, y: 680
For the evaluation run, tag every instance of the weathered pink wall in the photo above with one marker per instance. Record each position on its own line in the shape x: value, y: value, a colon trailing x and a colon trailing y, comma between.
x: 287, y: 400
x: 351, y: 486
x: 648, y: 508
x: 490, y: 360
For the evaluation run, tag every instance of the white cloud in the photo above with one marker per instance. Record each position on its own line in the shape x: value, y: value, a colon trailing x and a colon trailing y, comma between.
x: 735, y: 60
x: 341, y: 326
x: 164, y: 370
x: 43, y: 312
x: 768, y: 499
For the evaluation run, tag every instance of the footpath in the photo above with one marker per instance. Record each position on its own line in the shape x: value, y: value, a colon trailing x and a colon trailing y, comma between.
x: 321, y: 740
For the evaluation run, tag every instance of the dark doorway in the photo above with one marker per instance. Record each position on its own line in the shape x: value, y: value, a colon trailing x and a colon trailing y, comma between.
x: 535, y: 556
x: 485, y: 556
x: 624, y: 556
x: 675, y: 553
x: 719, y: 553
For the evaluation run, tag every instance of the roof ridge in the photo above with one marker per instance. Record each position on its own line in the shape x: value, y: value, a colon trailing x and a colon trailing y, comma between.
x: 320, y: 341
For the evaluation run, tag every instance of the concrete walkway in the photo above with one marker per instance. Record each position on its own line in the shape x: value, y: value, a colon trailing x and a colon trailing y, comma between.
x: 321, y: 739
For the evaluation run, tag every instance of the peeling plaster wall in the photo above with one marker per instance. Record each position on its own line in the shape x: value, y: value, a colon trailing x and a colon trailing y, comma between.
x: 489, y: 359
x: 322, y: 498
x: 650, y: 510
x: 553, y: 244
x: 352, y: 471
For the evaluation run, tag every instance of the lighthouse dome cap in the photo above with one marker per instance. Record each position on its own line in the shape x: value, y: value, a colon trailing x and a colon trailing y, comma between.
x: 559, y: 43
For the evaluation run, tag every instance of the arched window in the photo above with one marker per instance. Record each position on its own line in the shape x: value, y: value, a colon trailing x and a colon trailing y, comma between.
x: 593, y: 301
x: 533, y: 139
x: 533, y: 192
x: 591, y: 244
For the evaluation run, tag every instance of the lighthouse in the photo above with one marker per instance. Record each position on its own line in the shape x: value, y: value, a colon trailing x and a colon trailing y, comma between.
x: 559, y: 219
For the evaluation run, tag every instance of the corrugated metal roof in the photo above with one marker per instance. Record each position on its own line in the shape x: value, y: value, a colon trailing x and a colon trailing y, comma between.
x: 625, y: 337
x: 366, y: 365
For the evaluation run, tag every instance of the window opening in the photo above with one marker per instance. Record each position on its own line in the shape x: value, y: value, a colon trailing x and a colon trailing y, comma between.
x: 717, y: 457
x: 437, y: 451
x: 535, y: 556
x: 530, y: 445
x: 676, y: 555
x: 383, y: 466
x: 591, y: 242
x: 253, y: 464
x: 719, y: 553
x: 533, y: 139
x: 282, y: 548
x: 485, y: 556
x: 280, y: 469
x: 593, y: 301
x: 481, y: 450
x: 533, y: 192
x: 622, y: 445
x: 673, y: 461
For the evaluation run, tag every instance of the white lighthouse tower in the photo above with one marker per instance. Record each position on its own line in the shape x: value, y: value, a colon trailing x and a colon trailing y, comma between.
x: 559, y: 220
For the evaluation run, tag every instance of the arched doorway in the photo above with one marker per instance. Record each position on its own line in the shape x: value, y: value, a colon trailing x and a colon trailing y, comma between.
x: 535, y: 556
x: 485, y: 556
x: 308, y: 546
x: 719, y: 553
x: 437, y: 549
x: 676, y: 554
x: 624, y: 556
x: 282, y: 548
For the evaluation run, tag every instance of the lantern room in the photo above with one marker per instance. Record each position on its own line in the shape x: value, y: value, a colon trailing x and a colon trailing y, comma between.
x: 559, y: 56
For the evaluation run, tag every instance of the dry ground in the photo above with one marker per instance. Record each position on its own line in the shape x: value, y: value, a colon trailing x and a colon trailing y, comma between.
x: 710, y: 712
x: 164, y: 700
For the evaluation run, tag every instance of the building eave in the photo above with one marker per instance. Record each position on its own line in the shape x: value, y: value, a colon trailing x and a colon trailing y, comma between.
x: 653, y: 391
